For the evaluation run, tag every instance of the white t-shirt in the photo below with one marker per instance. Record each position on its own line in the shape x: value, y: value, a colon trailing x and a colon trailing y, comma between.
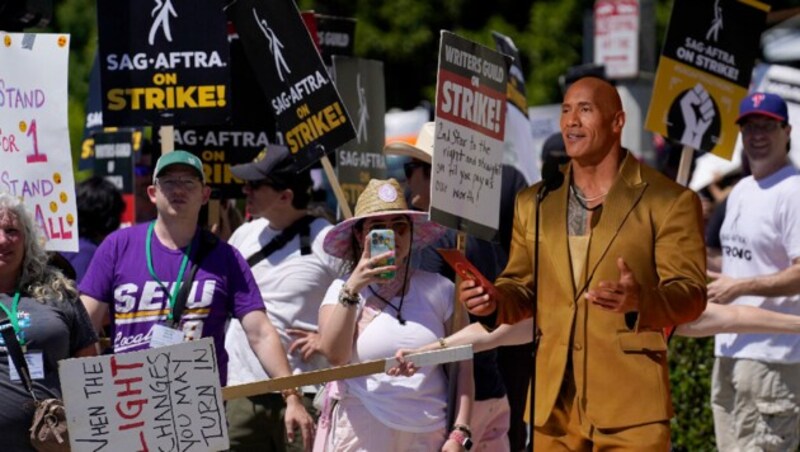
x: 292, y: 287
x: 761, y: 236
x: 411, y: 404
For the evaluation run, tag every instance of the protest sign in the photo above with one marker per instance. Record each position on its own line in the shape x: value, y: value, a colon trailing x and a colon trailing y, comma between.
x: 307, y: 107
x: 163, y: 62
x: 252, y: 127
x: 470, y: 128
x: 335, y: 36
x: 113, y: 160
x: 166, y: 399
x: 616, y: 37
x: 704, y: 71
x: 219, y: 149
x: 360, y: 82
x: 34, y: 139
x: 518, y: 138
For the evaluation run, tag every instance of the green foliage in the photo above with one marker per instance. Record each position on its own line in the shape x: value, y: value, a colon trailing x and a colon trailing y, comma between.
x: 691, y: 361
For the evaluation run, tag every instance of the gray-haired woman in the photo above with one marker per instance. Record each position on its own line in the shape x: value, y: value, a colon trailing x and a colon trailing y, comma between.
x: 43, y: 308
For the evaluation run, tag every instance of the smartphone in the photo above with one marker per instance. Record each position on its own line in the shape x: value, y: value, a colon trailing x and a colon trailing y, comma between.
x: 381, y: 241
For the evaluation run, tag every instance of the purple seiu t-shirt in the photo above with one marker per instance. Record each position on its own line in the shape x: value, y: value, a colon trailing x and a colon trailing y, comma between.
x: 223, y: 286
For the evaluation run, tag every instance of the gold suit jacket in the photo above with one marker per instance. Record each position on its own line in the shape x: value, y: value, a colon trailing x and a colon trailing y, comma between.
x: 619, y: 367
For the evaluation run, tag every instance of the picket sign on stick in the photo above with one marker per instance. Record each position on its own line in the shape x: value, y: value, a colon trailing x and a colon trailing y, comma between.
x: 457, y: 321
x: 432, y: 358
x: 337, y: 189
x: 685, y: 167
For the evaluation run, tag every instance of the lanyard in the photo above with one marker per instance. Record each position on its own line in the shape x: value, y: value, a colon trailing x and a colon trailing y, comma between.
x: 13, y: 316
x: 174, y: 295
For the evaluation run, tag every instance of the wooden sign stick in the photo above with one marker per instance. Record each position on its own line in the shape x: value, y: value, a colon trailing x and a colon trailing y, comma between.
x: 337, y: 189
x: 685, y: 167
x: 435, y: 357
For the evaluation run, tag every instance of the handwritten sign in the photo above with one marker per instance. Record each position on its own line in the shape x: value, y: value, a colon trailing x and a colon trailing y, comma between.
x: 470, y: 127
x: 165, y: 399
x: 34, y: 139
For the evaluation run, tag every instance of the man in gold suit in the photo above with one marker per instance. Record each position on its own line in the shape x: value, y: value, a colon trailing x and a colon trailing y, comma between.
x: 621, y: 257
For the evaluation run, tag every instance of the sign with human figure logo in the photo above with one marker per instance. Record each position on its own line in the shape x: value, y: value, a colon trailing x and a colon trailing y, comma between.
x: 163, y: 62
x: 360, y: 82
x: 309, y: 112
x: 704, y: 72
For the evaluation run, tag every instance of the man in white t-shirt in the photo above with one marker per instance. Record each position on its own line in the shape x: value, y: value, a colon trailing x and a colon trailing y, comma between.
x: 755, y: 393
x: 283, y: 246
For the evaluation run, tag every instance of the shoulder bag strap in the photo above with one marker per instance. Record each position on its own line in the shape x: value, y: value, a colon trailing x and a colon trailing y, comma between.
x: 16, y: 353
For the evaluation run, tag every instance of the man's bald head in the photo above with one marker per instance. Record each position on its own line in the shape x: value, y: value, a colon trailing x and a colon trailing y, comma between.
x: 605, y: 95
x: 592, y: 120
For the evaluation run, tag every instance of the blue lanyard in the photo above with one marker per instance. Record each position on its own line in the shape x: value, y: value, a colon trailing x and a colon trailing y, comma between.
x: 13, y: 316
x: 174, y: 295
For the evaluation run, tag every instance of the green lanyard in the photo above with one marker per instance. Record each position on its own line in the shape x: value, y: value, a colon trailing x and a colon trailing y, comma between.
x: 14, y: 317
x: 174, y: 295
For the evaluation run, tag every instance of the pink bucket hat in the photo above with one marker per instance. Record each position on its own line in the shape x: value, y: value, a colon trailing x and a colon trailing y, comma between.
x: 381, y: 198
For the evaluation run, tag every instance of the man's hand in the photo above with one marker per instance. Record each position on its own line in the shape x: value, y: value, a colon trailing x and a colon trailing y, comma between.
x: 476, y: 299
x: 297, y: 417
x: 722, y: 289
x: 620, y: 296
x: 307, y: 342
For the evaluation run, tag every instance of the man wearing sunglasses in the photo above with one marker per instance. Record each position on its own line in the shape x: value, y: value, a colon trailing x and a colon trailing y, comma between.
x: 136, y: 276
x: 756, y: 379
x: 283, y: 246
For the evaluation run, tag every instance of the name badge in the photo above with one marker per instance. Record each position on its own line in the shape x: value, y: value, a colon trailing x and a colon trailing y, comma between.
x: 164, y: 335
x: 35, y: 366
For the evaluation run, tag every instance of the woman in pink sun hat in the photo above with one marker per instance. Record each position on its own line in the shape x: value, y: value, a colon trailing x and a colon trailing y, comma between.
x: 366, y: 316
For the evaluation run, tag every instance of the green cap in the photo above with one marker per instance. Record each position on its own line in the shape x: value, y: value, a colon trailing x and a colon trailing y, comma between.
x: 179, y: 158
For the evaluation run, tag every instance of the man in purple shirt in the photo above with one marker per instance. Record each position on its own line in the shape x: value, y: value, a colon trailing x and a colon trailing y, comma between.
x: 135, y: 274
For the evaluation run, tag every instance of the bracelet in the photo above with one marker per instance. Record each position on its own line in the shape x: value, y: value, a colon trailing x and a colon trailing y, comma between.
x: 348, y: 298
x: 442, y: 343
x: 461, y: 438
x: 286, y: 393
x: 463, y: 428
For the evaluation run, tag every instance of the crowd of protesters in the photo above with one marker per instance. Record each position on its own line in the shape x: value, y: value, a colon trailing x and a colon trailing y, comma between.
x: 623, y: 259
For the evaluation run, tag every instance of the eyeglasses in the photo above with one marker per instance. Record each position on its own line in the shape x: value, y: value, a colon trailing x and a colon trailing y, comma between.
x: 762, y: 127
x: 172, y: 183
x: 409, y: 167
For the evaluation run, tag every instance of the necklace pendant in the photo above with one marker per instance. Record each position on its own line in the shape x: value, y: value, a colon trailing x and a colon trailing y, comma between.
x: 401, y: 319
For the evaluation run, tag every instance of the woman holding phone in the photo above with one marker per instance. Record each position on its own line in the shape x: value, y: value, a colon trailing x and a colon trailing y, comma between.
x: 382, y: 304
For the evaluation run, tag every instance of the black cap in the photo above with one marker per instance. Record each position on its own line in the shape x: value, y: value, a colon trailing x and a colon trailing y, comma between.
x: 274, y: 164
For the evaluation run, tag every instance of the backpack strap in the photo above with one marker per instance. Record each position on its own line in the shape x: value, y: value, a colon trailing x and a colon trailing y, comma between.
x: 301, y: 226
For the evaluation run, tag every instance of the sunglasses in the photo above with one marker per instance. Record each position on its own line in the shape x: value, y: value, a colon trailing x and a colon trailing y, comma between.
x: 399, y: 227
x: 409, y: 167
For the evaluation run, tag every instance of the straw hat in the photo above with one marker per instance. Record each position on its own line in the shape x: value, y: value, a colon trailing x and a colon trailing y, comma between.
x: 423, y: 150
x: 381, y: 198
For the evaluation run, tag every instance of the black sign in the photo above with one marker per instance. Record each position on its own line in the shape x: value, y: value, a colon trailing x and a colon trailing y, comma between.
x: 360, y: 83
x: 702, y: 39
x: 113, y: 160
x: 335, y: 36
x: 307, y: 106
x: 163, y: 62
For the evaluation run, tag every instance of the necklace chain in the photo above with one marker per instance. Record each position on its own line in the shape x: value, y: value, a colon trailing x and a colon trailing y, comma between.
x: 582, y: 201
x: 584, y: 198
